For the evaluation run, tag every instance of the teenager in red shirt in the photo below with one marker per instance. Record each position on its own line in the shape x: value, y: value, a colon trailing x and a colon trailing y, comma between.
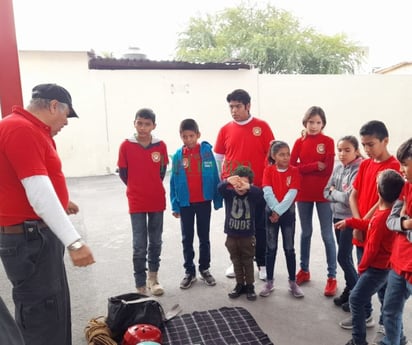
x: 399, y: 286
x: 142, y: 166
x: 313, y: 154
x: 245, y: 141
x: 375, y: 264
x: 364, y: 198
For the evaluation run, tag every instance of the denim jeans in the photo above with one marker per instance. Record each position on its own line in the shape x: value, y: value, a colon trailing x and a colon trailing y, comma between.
x: 368, y: 306
x: 146, y: 225
x: 325, y: 219
x: 35, y: 267
x: 359, y: 254
x: 367, y: 285
x: 202, y: 211
x: 286, y: 224
x: 345, y: 257
x: 398, y: 291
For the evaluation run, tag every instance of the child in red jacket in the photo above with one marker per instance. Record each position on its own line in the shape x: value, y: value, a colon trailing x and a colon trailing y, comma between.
x: 399, y: 286
x: 375, y: 264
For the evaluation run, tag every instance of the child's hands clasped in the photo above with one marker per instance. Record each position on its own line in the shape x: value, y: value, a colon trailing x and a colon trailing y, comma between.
x: 274, y: 217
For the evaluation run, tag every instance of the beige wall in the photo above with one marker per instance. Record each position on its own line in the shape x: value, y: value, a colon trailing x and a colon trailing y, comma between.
x: 106, y: 102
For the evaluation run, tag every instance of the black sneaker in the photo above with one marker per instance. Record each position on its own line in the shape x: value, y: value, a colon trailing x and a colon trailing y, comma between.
x: 346, y: 307
x: 250, y: 292
x: 187, y: 281
x: 207, y: 278
x: 343, y: 298
x: 237, y: 291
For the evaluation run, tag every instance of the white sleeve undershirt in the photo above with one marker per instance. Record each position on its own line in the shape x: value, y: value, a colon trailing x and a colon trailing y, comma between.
x: 43, y: 198
x: 219, y: 160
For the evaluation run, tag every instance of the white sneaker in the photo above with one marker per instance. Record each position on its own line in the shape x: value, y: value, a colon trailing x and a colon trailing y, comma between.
x: 262, y: 273
x: 347, y: 323
x: 380, y: 334
x: 230, y: 272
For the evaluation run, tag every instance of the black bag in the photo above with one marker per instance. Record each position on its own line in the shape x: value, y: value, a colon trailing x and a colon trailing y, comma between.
x: 131, y: 309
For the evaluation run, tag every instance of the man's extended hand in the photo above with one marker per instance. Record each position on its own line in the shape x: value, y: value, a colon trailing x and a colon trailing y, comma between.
x: 72, y: 208
x: 82, y: 257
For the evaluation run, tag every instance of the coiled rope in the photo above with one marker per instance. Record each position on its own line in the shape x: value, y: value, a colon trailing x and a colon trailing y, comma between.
x: 98, y: 333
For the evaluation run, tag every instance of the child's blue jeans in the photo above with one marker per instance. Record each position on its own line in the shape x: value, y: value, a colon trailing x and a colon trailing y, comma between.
x: 286, y: 224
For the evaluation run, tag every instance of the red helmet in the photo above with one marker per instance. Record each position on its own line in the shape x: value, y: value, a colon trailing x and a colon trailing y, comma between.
x: 137, y: 334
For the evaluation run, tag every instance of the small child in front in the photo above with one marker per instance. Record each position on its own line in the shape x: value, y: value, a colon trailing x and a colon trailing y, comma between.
x: 193, y: 186
x: 241, y: 197
x: 375, y: 264
x: 281, y: 183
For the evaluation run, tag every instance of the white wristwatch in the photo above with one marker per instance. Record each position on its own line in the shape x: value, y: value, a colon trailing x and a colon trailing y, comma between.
x: 76, y: 245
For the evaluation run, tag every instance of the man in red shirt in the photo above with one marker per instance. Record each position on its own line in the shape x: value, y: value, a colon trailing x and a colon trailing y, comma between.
x: 375, y: 264
x: 34, y: 225
x: 245, y: 141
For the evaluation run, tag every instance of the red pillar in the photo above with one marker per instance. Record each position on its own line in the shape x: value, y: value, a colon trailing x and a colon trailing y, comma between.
x: 10, y: 84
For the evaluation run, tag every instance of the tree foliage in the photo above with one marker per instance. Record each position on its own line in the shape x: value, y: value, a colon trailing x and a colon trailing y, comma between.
x: 271, y: 40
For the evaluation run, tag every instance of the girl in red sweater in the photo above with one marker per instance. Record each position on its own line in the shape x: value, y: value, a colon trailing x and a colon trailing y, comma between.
x: 313, y: 154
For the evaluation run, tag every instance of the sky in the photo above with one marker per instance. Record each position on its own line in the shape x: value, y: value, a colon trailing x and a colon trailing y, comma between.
x: 383, y: 26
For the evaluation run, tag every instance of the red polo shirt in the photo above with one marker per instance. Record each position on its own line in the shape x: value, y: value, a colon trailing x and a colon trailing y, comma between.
x: 26, y: 149
x: 145, y: 191
x: 246, y: 145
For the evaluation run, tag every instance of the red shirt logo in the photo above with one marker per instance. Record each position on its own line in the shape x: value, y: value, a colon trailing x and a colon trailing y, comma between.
x: 320, y: 149
x: 257, y: 131
x: 156, y: 157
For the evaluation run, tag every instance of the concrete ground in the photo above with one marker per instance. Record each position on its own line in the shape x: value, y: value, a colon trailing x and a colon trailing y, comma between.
x: 104, y: 223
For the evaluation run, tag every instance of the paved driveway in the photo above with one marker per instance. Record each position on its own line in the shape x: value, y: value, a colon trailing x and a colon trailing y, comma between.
x: 104, y: 222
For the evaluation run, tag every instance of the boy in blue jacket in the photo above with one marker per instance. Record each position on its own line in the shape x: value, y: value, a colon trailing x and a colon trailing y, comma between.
x: 193, y: 186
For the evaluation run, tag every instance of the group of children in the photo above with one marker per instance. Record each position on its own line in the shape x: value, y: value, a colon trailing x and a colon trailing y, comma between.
x: 367, y: 201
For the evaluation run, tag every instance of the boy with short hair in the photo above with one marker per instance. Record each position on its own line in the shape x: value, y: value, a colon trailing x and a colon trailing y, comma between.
x: 241, y: 198
x: 363, y: 199
x: 142, y: 167
x: 375, y: 264
x: 193, y: 185
x: 399, y: 285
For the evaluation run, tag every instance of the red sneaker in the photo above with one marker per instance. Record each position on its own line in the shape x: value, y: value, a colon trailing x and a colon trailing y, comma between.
x: 302, y: 277
x: 331, y: 287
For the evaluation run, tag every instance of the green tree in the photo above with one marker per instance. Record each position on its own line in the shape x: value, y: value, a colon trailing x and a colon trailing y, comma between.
x: 271, y: 40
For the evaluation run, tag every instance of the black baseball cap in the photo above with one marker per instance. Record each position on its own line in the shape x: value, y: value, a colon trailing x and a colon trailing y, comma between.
x: 54, y: 91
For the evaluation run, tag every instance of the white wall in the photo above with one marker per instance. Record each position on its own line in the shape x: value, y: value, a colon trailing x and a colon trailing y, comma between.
x: 107, y: 100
